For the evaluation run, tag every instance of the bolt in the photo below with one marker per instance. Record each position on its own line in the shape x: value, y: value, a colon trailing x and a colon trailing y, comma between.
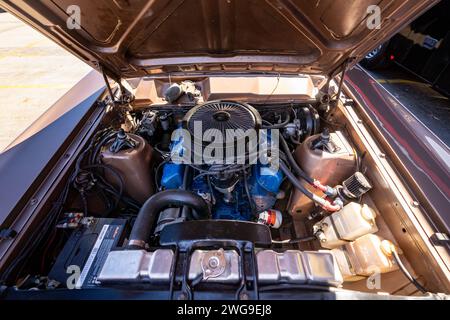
x: 382, y: 155
x: 244, y: 296
x: 415, y: 204
x: 33, y: 201
x: 213, y: 262
x: 359, y: 121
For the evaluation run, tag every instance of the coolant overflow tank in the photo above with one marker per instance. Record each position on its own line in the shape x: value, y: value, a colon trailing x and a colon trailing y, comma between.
x: 133, y: 164
x: 348, y: 224
x: 330, y: 162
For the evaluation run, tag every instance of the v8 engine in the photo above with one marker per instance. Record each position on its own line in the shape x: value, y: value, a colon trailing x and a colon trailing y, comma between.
x: 217, y: 142
x: 221, y: 194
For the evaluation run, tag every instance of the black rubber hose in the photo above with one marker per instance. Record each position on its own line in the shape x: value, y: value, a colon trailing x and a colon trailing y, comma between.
x: 302, y: 174
x: 278, y: 125
x: 407, y: 274
x: 108, y: 137
x: 296, y: 183
x: 149, y: 213
x: 306, y: 239
x: 247, y: 192
x: 185, y: 211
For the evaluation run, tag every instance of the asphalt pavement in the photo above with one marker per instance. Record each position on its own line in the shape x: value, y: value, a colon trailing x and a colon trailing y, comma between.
x: 34, y: 73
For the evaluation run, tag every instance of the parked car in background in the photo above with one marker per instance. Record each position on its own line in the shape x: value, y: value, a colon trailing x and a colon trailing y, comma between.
x: 423, y: 48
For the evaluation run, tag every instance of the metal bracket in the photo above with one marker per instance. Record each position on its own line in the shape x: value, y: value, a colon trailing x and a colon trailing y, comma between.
x: 440, y: 238
x: 6, y: 234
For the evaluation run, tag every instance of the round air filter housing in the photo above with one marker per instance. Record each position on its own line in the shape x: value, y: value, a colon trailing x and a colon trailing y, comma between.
x: 231, y: 120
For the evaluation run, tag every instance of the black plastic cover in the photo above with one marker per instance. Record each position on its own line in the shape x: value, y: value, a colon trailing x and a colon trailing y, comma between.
x: 256, y: 233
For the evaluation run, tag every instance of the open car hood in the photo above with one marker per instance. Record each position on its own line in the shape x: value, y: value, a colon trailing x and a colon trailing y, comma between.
x: 132, y: 38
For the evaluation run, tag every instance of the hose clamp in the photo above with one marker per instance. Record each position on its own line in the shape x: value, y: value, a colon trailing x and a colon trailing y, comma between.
x: 138, y: 243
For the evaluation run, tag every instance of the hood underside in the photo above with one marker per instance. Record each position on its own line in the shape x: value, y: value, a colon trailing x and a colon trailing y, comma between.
x: 132, y: 38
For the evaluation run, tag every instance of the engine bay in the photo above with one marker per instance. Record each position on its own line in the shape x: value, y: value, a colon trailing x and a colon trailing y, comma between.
x: 148, y: 206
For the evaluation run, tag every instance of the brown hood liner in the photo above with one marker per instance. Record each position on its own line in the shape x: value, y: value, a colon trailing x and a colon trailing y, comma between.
x: 132, y: 38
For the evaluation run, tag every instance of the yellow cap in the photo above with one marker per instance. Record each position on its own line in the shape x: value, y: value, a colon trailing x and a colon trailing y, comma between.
x: 387, y: 247
x: 367, y: 213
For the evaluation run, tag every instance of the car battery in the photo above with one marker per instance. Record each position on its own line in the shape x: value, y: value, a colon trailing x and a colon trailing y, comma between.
x: 84, y: 254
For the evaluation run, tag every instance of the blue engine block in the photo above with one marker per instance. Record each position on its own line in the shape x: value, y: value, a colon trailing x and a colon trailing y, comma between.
x: 263, y: 183
x: 239, y: 209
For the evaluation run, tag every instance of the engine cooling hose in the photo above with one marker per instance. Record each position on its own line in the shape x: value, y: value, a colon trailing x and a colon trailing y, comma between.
x: 302, y: 174
x: 329, y: 191
x: 325, y: 204
x: 151, y: 209
x: 187, y: 179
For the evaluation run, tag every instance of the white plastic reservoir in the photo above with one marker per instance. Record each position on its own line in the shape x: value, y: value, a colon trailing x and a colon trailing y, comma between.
x: 353, y: 221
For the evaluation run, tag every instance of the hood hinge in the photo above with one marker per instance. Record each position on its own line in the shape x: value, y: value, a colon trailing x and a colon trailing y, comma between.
x: 126, y: 94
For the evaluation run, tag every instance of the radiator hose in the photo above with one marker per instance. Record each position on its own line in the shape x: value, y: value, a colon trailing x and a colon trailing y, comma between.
x: 325, y: 204
x: 329, y: 191
x: 302, y: 174
x: 149, y: 213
